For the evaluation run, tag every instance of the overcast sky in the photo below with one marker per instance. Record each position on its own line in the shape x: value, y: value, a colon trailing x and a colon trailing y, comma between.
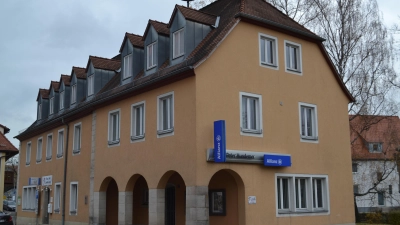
x: 42, y: 39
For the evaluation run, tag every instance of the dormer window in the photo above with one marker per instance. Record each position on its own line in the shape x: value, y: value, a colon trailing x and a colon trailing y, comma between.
x: 128, y: 60
x: 73, y: 94
x: 151, y: 55
x: 62, y: 100
x: 51, y: 105
x: 40, y: 112
x: 90, y: 85
x: 179, y: 43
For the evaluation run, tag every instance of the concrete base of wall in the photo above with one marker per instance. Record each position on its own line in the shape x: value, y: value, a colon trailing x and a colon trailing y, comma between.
x: 32, y: 221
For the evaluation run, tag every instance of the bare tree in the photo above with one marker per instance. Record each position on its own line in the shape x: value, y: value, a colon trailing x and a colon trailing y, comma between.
x: 197, y: 4
x: 13, y: 163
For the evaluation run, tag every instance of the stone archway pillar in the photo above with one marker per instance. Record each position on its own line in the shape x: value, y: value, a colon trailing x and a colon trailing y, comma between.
x: 156, y: 206
x: 99, y: 216
x: 197, y: 205
x: 125, y: 207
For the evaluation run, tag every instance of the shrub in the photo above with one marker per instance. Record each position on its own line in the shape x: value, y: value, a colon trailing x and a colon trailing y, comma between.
x: 375, y: 217
x: 394, y: 217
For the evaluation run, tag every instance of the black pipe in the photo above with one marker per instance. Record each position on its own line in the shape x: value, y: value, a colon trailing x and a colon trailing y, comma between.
x: 65, y: 172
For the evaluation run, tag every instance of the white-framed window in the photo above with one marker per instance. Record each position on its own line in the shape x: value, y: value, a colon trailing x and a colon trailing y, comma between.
x: 151, y: 55
x: 39, y: 112
x: 381, y: 197
x: 308, y: 122
x: 28, y: 153
x: 113, y: 127
x: 268, y: 51
x: 354, y: 167
x: 301, y: 194
x: 39, y: 150
x: 57, y: 197
x: 138, y: 121
x: 60, y: 143
x: 178, y: 48
x: 293, y: 57
x: 77, y: 138
x: 250, y: 114
x: 128, y: 62
x: 73, y: 198
x: 165, y: 112
x: 90, y: 85
x: 375, y: 147
x: 51, y: 105
x: 49, y: 147
x: 62, y: 100
x: 73, y: 94
x: 28, y: 198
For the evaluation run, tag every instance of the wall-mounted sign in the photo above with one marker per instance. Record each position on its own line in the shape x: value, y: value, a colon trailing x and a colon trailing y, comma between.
x: 240, y: 156
x: 252, y: 199
x: 47, y: 180
x: 277, y: 160
x: 33, y: 181
x: 219, y: 141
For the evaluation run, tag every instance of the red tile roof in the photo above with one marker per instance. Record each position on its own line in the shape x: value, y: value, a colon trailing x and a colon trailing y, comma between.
x: 136, y: 41
x: 194, y: 15
x: 104, y: 63
x: 6, y: 129
x: 160, y: 27
x: 79, y: 71
x: 374, y: 129
x: 5, y: 145
x: 66, y: 79
x: 44, y: 93
x: 55, y: 85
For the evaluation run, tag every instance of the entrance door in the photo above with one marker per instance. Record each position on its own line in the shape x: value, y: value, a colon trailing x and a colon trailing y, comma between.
x: 46, y: 197
x: 170, y: 205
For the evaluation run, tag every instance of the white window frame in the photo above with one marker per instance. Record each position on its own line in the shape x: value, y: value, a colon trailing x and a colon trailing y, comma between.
x: 28, y: 198
x: 151, y: 47
x: 60, y: 146
x: 39, y: 152
x: 128, y: 62
x: 181, y: 38
x: 77, y: 145
x: 116, y: 112
x: 28, y: 153
x: 49, y: 147
x: 73, y: 93
x: 62, y: 94
x: 51, y: 105
x: 161, y: 131
x: 261, y: 38
x: 73, y: 205
x: 371, y: 147
x: 259, y: 122
x: 307, y: 138
x: 309, y: 210
x: 299, y: 70
x: 91, y: 84
x: 356, y: 164
x: 134, y: 135
x: 40, y: 111
x: 57, y: 198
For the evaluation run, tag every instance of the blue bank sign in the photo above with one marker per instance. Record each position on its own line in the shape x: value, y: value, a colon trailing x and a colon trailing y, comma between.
x: 277, y: 160
x: 219, y: 141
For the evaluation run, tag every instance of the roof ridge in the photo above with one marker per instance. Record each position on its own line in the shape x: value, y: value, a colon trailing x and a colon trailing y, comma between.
x: 77, y: 67
x: 196, y: 10
x: 93, y: 56
x: 133, y: 34
x: 158, y: 21
x: 65, y: 75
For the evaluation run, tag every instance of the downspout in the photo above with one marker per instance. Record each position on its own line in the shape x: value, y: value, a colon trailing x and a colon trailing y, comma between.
x: 65, y: 172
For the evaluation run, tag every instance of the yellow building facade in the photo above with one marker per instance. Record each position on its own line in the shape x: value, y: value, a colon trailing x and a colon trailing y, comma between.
x: 146, y: 145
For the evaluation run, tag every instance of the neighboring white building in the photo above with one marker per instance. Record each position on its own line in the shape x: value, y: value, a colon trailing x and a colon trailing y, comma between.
x: 376, y: 141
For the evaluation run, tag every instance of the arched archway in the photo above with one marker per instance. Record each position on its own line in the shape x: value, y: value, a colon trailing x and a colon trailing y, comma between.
x: 175, y: 198
x: 109, y: 201
x: 137, y: 185
x: 226, y: 198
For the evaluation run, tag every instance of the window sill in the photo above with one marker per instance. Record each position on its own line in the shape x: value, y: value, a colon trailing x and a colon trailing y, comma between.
x: 113, y: 142
x: 302, y: 213
x: 151, y: 67
x: 28, y: 210
x: 293, y: 70
x: 38, y: 161
x: 74, y: 212
x: 59, y: 156
x: 76, y: 151
x: 178, y: 56
x: 161, y: 132
x: 27, y: 164
x: 251, y: 131
x: 309, y: 138
x: 56, y: 210
x: 48, y: 158
x: 269, y: 65
x: 124, y: 78
x: 135, y: 138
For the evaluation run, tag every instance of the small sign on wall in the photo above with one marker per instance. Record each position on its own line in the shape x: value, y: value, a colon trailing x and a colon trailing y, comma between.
x: 252, y: 199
